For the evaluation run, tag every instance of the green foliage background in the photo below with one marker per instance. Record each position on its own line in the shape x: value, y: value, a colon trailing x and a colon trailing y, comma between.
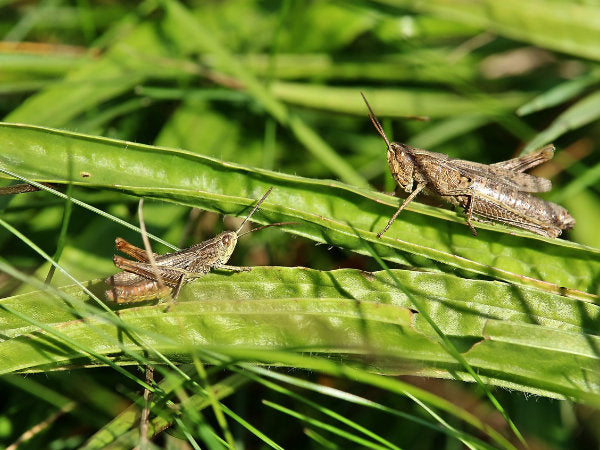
x: 428, y: 337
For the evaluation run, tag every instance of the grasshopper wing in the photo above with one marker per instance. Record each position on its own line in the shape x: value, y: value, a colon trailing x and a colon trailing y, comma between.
x: 510, y: 172
x: 525, y: 162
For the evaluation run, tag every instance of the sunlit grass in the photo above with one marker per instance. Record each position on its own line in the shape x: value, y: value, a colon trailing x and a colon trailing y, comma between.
x: 195, y: 107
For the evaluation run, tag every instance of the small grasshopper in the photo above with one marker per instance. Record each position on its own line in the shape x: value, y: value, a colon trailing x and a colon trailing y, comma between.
x: 140, y: 280
x: 488, y: 193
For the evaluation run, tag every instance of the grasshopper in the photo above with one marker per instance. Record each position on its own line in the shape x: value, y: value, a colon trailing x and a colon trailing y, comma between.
x: 498, y: 192
x: 141, y: 280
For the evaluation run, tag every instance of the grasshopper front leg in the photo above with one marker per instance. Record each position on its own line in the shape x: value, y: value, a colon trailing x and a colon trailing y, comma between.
x: 408, y: 199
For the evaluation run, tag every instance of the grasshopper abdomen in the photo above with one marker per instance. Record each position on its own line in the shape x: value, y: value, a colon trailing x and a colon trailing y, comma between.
x: 497, y: 202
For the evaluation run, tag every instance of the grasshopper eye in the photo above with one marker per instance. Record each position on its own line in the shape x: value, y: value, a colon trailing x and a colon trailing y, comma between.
x: 225, y: 240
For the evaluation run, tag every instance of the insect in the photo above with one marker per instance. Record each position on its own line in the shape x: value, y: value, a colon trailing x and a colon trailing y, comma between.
x: 497, y: 192
x: 141, y: 280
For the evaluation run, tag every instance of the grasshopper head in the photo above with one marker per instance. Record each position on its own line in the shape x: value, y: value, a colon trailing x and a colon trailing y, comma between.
x: 402, y: 165
x: 225, y: 243
x: 399, y: 156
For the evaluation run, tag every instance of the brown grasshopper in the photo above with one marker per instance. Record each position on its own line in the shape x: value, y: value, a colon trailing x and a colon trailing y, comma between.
x: 141, y: 280
x: 488, y: 193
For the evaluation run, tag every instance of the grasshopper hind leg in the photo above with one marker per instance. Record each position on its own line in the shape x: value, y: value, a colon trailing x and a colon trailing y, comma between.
x: 469, y: 215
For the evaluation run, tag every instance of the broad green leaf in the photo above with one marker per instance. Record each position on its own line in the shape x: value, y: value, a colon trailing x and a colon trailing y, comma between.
x: 344, y: 312
x: 329, y: 211
x: 95, y: 322
x: 461, y: 306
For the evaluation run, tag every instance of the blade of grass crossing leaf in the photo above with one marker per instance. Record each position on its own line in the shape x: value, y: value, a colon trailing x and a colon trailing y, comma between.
x: 248, y: 426
x: 86, y: 206
x: 320, y: 408
x: 390, y: 384
x: 321, y: 441
x: 123, y: 426
x: 320, y: 424
x: 188, y: 435
x: 216, y: 406
x: 62, y: 235
x: 346, y: 396
x: 442, y: 421
x: 448, y: 345
x: 48, y: 258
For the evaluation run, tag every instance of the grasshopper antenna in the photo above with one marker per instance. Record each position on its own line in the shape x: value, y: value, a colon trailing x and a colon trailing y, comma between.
x: 277, y: 224
x: 254, y: 209
x: 376, y: 122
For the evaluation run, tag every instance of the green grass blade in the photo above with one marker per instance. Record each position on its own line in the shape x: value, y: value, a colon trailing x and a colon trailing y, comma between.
x: 562, y: 26
x: 559, y: 94
x: 186, y: 28
x: 581, y: 113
